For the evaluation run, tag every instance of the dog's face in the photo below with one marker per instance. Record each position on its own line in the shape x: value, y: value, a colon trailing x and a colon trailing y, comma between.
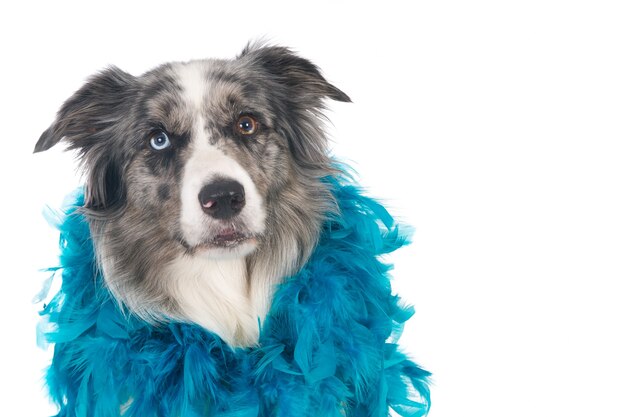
x: 216, y: 159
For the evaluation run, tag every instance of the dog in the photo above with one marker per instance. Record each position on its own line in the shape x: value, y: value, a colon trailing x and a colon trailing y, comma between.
x: 218, y: 261
x: 203, y: 182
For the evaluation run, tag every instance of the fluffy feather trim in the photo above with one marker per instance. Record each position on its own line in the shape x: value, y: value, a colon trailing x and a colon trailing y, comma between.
x: 327, y: 347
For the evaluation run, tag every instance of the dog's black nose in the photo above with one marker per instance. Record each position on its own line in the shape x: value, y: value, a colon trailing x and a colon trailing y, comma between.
x: 222, y: 199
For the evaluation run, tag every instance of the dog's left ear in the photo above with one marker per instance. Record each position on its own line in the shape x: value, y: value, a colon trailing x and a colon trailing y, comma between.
x: 300, y: 75
x: 91, y: 110
x: 87, y: 121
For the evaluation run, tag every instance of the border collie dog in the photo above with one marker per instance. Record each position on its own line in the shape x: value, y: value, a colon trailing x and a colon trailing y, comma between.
x: 204, y: 183
x: 218, y: 261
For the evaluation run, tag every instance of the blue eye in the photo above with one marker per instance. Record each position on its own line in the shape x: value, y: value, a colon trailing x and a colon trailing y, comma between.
x: 159, y: 141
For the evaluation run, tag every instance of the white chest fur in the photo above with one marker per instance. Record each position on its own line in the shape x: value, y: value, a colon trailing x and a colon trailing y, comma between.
x: 214, y: 294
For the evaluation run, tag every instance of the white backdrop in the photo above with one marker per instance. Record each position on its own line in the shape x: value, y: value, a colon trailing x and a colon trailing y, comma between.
x: 497, y: 129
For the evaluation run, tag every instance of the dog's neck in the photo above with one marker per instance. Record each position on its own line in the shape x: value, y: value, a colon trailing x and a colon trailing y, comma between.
x: 216, y: 295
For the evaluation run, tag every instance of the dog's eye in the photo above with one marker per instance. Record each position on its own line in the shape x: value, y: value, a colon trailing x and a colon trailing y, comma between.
x: 160, y: 141
x: 247, y: 125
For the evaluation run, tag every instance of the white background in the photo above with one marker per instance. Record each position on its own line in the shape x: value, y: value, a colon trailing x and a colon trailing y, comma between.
x: 497, y: 129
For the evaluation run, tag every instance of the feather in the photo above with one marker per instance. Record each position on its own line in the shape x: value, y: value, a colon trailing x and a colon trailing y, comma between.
x: 327, y: 346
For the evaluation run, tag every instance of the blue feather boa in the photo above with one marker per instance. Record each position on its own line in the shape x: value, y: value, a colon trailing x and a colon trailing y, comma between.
x: 327, y: 347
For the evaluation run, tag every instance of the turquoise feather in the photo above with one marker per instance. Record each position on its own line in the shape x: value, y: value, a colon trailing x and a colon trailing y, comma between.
x: 327, y: 346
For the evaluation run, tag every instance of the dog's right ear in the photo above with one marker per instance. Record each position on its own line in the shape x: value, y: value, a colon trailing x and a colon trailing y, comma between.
x: 299, y: 75
x: 91, y: 110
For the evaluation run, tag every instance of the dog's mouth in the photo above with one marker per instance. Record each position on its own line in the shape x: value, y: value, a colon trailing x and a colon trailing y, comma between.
x: 228, y: 238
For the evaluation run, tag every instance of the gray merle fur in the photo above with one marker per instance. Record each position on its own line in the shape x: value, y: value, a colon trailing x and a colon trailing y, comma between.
x: 132, y: 193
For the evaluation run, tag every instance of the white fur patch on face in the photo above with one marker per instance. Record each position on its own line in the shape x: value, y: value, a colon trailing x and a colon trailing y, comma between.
x: 192, y: 76
x: 206, y: 163
x: 210, y: 285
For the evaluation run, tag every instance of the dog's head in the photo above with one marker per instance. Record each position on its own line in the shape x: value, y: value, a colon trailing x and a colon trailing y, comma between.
x: 210, y: 158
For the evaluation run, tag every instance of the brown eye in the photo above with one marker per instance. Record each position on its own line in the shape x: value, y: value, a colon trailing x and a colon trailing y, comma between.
x: 247, y: 125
